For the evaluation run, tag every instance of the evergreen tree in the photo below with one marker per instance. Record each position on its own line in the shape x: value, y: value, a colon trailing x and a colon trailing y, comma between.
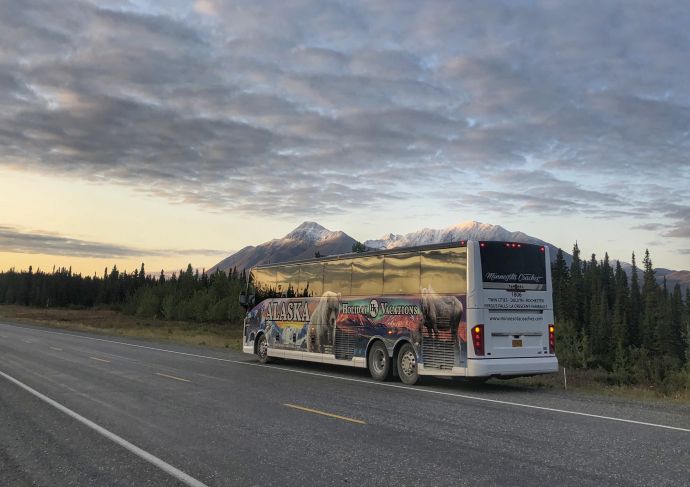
x: 620, y: 333
x: 635, y: 317
x: 561, y: 281
x: 650, y: 297
x: 358, y: 247
x: 575, y: 299
x: 676, y: 338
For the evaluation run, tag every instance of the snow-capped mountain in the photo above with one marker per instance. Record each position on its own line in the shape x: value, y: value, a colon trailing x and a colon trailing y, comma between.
x: 469, y: 230
x: 310, y: 237
x: 301, y: 243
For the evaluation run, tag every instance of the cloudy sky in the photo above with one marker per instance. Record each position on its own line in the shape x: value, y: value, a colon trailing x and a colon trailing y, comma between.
x: 179, y: 131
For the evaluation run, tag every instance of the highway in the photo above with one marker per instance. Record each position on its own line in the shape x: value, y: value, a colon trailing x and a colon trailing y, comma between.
x: 83, y: 409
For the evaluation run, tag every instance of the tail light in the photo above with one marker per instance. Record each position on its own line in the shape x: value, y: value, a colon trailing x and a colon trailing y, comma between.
x: 478, y: 339
x: 552, y: 339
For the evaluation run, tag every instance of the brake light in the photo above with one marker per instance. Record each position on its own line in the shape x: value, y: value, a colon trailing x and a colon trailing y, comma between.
x: 541, y: 249
x: 552, y: 339
x: 478, y: 339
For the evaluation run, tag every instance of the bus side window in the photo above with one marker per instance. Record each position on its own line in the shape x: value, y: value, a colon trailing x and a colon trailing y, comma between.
x: 445, y: 270
x: 337, y: 276
x: 287, y: 278
x: 367, y: 276
x: 264, y: 282
x: 310, y: 280
x: 401, y: 273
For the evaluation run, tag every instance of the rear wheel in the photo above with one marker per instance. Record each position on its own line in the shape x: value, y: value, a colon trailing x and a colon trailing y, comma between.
x: 262, y: 350
x: 379, y: 361
x: 407, y: 365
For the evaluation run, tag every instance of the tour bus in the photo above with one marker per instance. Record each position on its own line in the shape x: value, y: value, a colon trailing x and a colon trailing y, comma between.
x: 467, y: 309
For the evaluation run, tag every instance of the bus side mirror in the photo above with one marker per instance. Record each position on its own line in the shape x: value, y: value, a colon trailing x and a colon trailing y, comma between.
x: 246, y: 300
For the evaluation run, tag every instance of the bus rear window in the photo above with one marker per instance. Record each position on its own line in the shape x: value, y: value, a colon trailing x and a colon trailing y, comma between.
x: 505, y: 266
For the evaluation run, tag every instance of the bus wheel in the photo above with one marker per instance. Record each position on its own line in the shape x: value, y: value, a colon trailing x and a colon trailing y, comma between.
x: 379, y: 361
x: 407, y: 365
x: 262, y: 350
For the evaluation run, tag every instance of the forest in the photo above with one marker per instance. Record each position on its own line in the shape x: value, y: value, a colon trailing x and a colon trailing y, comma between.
x: 635, y: 330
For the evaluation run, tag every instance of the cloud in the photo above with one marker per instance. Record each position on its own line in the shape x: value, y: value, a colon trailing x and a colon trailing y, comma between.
x: 205, y: 7
x: 36, y: 242
x: 310, y: 107
x: 650, y: 226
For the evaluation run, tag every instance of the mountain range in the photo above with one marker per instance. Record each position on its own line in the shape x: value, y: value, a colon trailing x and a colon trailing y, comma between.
x: 310, y: 238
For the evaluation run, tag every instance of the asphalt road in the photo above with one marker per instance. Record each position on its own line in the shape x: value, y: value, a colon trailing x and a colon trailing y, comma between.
x: 222, y: 419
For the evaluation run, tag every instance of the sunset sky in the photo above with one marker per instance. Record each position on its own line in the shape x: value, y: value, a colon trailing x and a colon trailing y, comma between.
x: 175, y: 132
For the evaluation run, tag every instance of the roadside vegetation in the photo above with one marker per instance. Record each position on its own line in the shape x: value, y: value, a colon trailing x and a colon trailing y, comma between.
x: 625, y: 336
x: 111, y: 322
x: 620, y: 333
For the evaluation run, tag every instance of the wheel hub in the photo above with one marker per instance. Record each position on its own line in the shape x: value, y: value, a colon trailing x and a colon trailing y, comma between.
x: 408, y: 363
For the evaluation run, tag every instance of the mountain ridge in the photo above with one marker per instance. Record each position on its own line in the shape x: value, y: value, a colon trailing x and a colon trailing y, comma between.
x: 310, y: 238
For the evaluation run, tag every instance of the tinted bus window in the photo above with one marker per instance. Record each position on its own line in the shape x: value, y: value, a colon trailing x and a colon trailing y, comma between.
x: 287, y: 278
x: 310, y: 280
x: 505, y: 265
x: 264, y: 281
x: 401, y: 273
x: 337, y: 275
x: 445, y: 270
x: 367, y: 276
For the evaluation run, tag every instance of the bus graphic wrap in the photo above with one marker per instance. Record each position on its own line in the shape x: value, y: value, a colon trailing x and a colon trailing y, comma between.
x: 473, y: 309
x: 313, y: 325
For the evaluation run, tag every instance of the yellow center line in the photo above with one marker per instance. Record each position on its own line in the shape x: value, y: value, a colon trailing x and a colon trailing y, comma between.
x: 56, y: 348
x: 173, y: 377
x: 100, y: 359
x: 323, y: 413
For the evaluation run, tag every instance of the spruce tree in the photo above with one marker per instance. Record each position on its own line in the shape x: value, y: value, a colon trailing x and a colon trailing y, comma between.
x: 575, y: 298
x: 620, y: 333
x: 650, y: 297
x: 561, y: 279
x: 676, y: 336
x: 635, y: 317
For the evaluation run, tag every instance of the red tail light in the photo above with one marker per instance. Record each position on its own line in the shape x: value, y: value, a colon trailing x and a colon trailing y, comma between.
x: 478, y: 339
x: 552, y: 339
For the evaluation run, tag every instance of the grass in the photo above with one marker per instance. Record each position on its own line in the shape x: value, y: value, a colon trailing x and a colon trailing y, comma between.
x: 109, y: 322
x: 598, y: 381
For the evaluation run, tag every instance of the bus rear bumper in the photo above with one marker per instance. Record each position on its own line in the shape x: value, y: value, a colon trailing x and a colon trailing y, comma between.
x: 511, y: 367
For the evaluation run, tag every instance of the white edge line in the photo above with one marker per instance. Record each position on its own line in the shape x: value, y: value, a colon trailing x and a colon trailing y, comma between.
x: 382, y: 384
x: 166, y: 467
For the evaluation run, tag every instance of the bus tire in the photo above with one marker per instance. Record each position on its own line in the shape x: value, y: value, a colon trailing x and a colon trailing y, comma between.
x: 407, y: 365
x: 378, y: 361
x: 262, y: 350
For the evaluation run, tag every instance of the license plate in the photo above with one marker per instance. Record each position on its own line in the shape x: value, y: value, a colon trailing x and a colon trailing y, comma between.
x: 517, y: 343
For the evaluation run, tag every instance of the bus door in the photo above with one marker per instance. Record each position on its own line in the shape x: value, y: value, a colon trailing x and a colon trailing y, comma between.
x: 512, y: 299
